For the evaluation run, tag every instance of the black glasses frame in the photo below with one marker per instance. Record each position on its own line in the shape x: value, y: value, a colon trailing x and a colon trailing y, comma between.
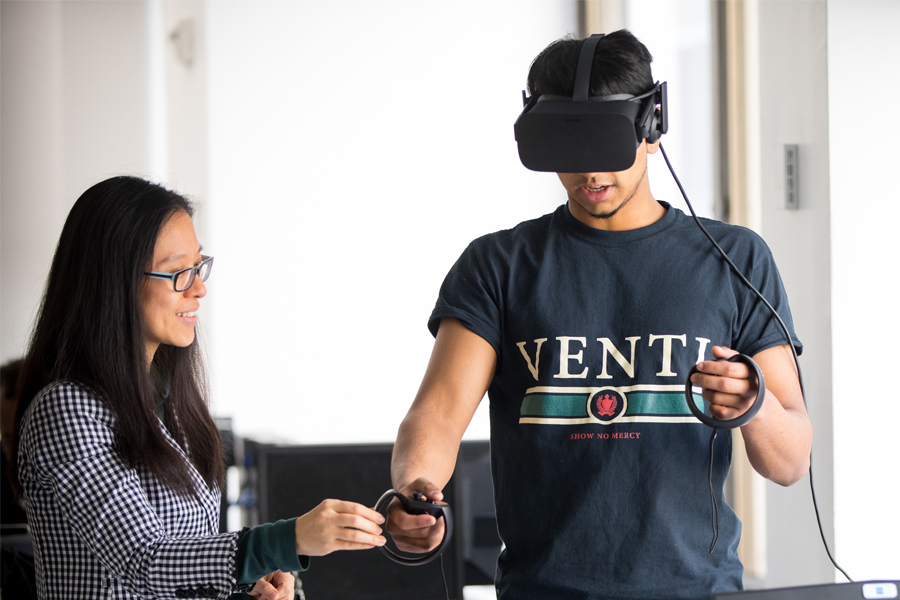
x: 206, y: 262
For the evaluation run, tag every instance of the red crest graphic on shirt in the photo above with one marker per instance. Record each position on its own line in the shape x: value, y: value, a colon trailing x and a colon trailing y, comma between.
x: 606, y: 405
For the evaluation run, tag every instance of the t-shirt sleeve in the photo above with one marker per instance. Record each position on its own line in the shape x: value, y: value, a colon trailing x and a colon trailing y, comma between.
x: 470, y: 294
x: 757, y: 328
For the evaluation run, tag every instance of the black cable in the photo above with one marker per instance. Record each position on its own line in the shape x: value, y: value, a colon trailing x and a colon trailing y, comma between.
x: 444, y: 578
x: 712, y: 494
x: 819, y: 521
x: 786, y: 333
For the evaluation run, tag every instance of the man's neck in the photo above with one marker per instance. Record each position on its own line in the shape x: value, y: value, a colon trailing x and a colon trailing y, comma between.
x: 642, y: 210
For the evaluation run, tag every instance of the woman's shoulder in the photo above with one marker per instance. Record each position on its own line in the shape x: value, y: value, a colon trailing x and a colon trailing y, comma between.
x: 65, y: 392
x: 65, y: 422
x: 64, y: 401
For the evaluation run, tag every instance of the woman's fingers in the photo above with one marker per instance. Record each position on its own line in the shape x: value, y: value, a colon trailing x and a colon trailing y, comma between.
x: 338, y: 525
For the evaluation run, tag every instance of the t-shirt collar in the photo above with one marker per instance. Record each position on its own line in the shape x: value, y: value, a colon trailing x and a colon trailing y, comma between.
x: 604, y: 237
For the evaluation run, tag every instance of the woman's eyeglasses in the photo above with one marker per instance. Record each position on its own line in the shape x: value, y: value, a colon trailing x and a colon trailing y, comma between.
x: 184, y: 279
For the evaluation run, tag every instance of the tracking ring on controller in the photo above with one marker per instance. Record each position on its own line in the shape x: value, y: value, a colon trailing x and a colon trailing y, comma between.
x: 740, y: 419
x: 418, y: 507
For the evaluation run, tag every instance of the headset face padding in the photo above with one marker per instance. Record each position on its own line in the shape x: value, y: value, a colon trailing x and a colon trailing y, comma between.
x: 588, y: 135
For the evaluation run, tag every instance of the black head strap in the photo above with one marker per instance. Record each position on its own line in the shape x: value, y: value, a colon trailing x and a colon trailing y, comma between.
x: 583, y: 72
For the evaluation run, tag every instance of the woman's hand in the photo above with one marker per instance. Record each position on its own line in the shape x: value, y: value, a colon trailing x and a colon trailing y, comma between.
x: 338, y: 525
x: 274, y: 586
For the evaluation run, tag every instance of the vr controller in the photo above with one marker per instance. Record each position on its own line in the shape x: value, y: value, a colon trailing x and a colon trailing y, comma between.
x: 585, y: 134
x: 740, y: 420
x: 418, y: 505
x: 718, y: 424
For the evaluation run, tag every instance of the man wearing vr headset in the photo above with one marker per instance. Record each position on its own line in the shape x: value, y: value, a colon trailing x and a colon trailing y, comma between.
x: 582, y: 325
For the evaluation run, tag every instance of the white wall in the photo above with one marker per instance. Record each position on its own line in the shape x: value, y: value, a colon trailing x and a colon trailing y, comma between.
x: 74, y: 110
x: 311, y: 101
x: 679, y: 36
x: 356, y: 148
x: 863, y: 59
x: 817, y: 61
x: 794, y: 110
x: 183, y: 99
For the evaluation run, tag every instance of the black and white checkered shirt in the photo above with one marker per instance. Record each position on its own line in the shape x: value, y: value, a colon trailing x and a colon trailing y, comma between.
x: 104, y: 530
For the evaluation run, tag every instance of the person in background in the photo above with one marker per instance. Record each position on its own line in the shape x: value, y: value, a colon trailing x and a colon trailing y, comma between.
x: 119, y: 460
x: 17, y: 561
x: 11, y: 511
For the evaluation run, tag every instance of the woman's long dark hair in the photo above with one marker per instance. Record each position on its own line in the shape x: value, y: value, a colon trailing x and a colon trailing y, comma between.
x: 90, y: 330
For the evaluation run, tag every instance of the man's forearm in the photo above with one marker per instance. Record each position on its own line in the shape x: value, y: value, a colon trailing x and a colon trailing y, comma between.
x: 779, y: 438
x: 778, y: 442
x: 458, y: 374
x: 425, y: 448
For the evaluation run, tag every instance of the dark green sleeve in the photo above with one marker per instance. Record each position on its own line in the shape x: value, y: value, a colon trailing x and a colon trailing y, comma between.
x: 267, y: 548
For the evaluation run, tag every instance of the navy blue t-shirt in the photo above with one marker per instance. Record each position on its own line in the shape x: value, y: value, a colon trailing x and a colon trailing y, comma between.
x: 599, y: 468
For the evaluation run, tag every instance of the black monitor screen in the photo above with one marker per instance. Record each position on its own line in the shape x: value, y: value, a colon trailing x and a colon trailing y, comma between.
x: 292, y: 480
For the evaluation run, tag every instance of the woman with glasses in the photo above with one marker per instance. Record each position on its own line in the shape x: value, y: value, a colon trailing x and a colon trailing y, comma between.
x: 119, y: 459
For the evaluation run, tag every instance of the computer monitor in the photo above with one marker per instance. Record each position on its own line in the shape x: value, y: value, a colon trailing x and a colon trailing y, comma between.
x: 288, y: 481
x: 476, y: 521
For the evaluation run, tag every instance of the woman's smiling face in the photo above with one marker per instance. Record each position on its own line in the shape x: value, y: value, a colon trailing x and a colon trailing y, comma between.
x: 170, y: 316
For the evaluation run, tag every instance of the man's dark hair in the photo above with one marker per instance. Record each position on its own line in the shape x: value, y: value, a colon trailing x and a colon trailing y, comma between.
x: 621, y: 66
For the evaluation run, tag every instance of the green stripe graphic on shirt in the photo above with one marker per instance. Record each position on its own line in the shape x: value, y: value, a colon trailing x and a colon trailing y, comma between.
x: 548, y: 405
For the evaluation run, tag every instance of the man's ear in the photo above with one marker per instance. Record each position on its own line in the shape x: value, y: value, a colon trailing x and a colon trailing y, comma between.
x: 652, y: 148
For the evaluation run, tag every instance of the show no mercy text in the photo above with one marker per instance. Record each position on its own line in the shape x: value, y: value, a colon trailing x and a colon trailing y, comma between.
x: 625, y: 435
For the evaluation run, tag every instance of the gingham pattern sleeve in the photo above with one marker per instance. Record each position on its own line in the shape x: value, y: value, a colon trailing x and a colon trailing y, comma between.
x: 98, y: 523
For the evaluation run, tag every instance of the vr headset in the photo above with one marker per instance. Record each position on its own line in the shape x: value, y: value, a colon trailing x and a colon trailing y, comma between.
x: 585, y: 134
